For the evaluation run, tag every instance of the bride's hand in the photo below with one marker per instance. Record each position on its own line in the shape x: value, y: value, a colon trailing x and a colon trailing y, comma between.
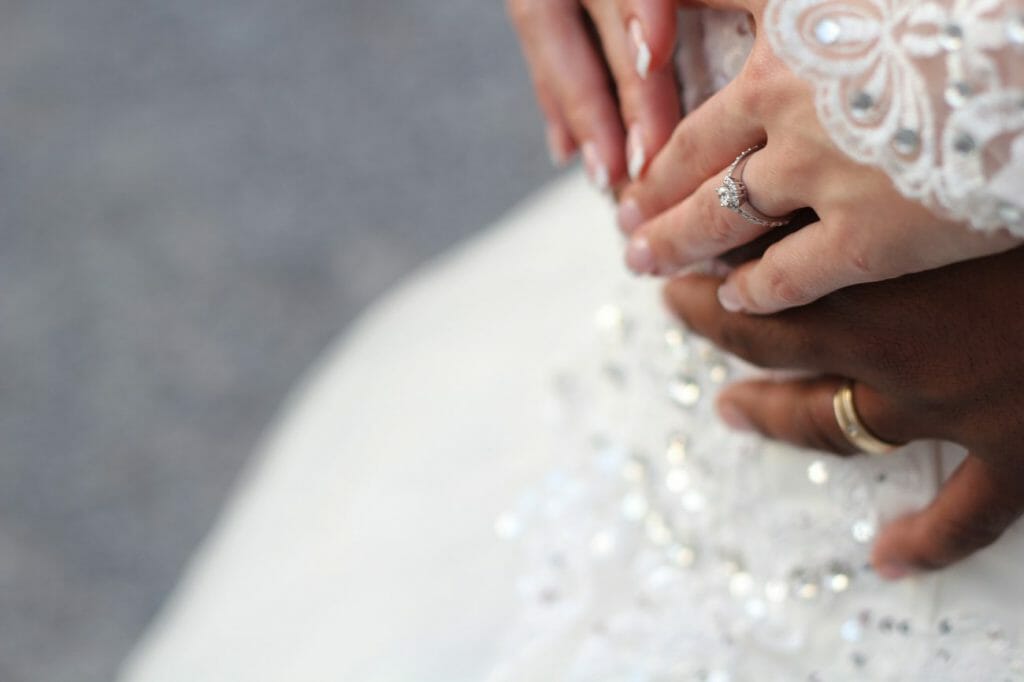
x: 867, y: 231
x: 933, y: 355
x: 570, y: 68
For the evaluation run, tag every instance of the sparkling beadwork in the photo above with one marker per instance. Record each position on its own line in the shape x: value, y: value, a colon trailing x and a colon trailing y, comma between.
x: 964, y: 143
x: 957, y: 94
x: 862, y: 103
x: 906, y: 141
x: 718, y: 373
x: 863, y: 531
x: 827, y: 31
x: 684, y: 390
x: 817, y: 473
x: 838, y: 577
x: 740, y: 584
x: 611, y: 321
x: 952, y: 37
x: 731, y: 193
x: 675, y: 453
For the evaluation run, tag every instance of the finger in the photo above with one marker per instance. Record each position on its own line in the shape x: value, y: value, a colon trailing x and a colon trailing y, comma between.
x: 800, y: 412
x: 652, y: 29
x: 703, y: 143
x: 649, y: 99
x: 802, y: 339
x: 568, y: 69
x: 970, y: 512
x: 699, y: 227
x: 839, y: 252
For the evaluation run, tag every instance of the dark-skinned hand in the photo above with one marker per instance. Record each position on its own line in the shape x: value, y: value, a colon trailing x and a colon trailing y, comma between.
x: 935, y: 355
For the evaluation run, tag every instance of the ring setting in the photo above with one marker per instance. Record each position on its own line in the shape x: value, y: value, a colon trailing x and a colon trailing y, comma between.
x: 733, y: 195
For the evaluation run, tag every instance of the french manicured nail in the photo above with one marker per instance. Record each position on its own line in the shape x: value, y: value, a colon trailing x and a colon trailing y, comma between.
x: 729, y: 297
x: 643, y: 50
x: 596, y: 170
x: 894, y: 571
x: 629, y: 216
x: 557, y: 145
x: 734, y: 417
x: 639, y: 257
x: 635, y: 152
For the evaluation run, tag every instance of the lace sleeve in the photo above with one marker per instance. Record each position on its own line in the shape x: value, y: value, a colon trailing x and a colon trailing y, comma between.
x: 930, y: 91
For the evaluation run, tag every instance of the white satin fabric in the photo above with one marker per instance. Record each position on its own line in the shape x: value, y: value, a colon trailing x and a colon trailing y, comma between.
x: 361, y: 545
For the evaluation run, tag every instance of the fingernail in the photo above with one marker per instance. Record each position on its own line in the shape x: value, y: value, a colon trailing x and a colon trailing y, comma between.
x: 894, y: 571
x: 729, y: 297
x: 643, y: 50
x: 557, y: 148
x: 596, y: 170
x: 629, y: 216
x: 635, y: 152
x: 734, y: 417
x: 639, y: 256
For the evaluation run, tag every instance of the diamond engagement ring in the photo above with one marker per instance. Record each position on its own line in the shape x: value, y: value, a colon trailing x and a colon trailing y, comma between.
x: 732, y: 194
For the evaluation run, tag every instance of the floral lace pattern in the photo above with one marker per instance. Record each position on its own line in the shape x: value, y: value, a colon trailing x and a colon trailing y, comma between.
x: 664, y: 547
x: 930, y: 91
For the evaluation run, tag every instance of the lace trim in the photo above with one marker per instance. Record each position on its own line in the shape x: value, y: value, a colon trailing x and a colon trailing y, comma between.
x: 932, y: 93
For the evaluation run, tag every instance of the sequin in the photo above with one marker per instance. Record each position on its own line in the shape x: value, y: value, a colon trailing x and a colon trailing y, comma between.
x: 952, y: 37
x: 861, y: 104
x: 740, y: 584
x: 964, y: 143
x: 675, y: 453
x: 827, y: 31
x: 817, y: 472
x: 718, y: 373
x: 677, y: 480
x: 602, y: 544
x: 957, y: 93
x: 838, y: 577
x: 851, y: 631
x: 863, y: 531
x: 906, y: 141
x: 611, y: 321
x: 684, y: 390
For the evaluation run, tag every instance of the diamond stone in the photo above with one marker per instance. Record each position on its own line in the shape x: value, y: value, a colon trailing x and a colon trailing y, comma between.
x: 730, y: 194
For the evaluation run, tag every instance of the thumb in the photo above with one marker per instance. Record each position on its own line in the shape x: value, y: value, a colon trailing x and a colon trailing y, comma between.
x: 971, y: 511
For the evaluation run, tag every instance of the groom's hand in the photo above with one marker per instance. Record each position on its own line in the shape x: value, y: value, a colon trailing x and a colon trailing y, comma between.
x: 934, y: 355
x: 603, y: 74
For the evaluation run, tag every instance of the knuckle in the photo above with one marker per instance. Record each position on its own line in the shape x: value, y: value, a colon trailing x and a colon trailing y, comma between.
x: 779, y: 282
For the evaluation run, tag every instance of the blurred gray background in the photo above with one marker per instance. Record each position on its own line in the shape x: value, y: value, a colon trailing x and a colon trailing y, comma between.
x: 196, y: 196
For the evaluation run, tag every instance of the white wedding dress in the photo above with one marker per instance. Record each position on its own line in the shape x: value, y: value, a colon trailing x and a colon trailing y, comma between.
x: 511, y: 469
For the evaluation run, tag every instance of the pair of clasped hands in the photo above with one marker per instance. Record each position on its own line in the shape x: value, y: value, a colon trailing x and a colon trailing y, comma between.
x: 934, y: 355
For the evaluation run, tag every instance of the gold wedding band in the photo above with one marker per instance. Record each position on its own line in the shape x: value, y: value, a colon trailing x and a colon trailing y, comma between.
x: 852, y: 426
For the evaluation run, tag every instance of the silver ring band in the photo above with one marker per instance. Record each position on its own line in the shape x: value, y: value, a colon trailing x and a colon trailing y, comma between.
x: 733, y: 195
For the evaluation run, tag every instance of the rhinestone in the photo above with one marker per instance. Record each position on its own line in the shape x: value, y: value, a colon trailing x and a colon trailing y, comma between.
x: 851, y: 631
x: 863, y: 531
x: 677, y: 480
x: 827, y: 31
x: 674, y: 337
x: 1015, y: 30
x: 1010, y: 214
x: 858, y: 659
x: 634, y: 506
x: 904, y: 627
x: 681, y: 555
x: 740, y: 584
x: 817, y: 472
x: 886, y: 624
x: 906, y: 141
x: 952, y: 37
x: 964, y: 143
x: 610, y: 320
x: 804, y: 584
x: 684, y: 390
x: 862, y: 103
x: 838, y: 578
x: 945, y: 626
x: 676, y: 451
x: 507, y: 526
x: 957, y: 93
x: 718, y: 373
x: 693, y: 502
